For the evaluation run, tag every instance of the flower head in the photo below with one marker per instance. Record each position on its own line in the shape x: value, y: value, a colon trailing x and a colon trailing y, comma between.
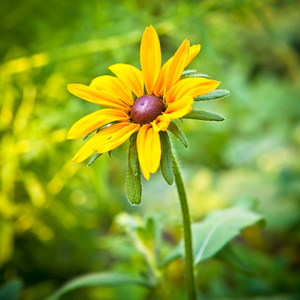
x: 143, y: 101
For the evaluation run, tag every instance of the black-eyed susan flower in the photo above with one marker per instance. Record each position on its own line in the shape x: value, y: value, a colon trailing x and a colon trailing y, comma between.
x: 141, y: 102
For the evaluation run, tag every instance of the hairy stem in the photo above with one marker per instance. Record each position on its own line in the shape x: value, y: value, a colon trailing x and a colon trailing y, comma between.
x: 189, y: 265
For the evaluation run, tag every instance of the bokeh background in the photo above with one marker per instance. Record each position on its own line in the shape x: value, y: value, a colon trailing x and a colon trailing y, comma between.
x: 57, y: 218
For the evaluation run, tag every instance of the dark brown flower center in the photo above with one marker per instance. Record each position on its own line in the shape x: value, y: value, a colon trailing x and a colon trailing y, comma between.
x: 146, y: 109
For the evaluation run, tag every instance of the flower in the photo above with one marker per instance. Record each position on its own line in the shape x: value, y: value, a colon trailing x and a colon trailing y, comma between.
x: 143, y: 101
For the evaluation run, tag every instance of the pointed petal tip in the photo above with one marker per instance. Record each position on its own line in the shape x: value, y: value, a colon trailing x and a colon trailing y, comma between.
x: 198, y: 48
x: 74, y: 159
x: 72, y: 85
x: 69, y: 86
x: 150, y: 27
x: 186, y: 41
x: 72, y: 136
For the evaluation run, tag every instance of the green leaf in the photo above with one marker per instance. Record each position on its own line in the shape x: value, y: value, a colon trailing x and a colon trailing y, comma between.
x: 11, y: 290
x: 216, y: 231
x: 87, y: 135
x: 179, y: 134
x: 216, y: 94
x: 193, y: 74
x: 147, y: 234
x: 98, y: 279
x: 234, y: 258
x: 133, y: 182
x: 188, y: 72
x: 197, y: 75
x: 93, y: 158
x: 203, y: 115
x: 166, y: 158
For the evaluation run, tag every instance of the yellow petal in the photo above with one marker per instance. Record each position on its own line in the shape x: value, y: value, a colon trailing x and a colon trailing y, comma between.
x: 180, y: 107
x: 183, y: 84
x: 114, y: 86
x: 101, y: 138
x: 161, y: 80
x: 177, y: 64
x: 150, y: 55
x: 161, y: 123
x: 141, y: 148
x: 193, y: 87
x: 194, y: 50
x: 202, y: 89
x: 130, y: 76
x: 93, y: 95
x: 118, y: 138
x: 94, y: 121
x: 149, y: 150
x: 153, y: 148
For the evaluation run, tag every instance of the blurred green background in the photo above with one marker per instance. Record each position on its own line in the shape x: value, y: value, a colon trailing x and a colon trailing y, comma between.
x: 57, y: 218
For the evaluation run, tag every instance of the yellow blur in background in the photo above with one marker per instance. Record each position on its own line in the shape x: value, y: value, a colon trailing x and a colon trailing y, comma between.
x: 57, y: 217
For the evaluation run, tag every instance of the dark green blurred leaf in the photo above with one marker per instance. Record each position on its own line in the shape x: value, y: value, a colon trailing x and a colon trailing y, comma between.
x: 166, y: 158
x: 11, y: 290
x: 216, y: 94
x: 203, y: 115
x: 216, y: 231
x: 133, y: 182
x: 98, y: 279
x: 179, y: 134
x: 233, y: 258
x: 147, y: 233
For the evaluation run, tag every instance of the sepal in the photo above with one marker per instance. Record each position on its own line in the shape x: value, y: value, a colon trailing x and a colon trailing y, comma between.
x: 203, y: 115
x: 93, y: 158
x: 216, y: 94
x: 178, y: 134
x: 166, y: 158
x: 193, y: 74
x: 133, y: 182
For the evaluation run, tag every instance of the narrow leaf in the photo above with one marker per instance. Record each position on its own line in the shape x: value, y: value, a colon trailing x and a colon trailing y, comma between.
x: 193, y: 74
x: 133, y: 182
x: 98, y: 279
x: 203, y: 115
x: 188, y: 72
x: 86, y: 136
x: 133, y: 156
x: 216, y: 231
x: 166, y: 158
x: 179, y: 134
x: 196, y: 75
x: 93, y: 158
x: 216, y: 94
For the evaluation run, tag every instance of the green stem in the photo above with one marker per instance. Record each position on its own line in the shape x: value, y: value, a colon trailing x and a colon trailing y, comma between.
x: 189, y: 265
